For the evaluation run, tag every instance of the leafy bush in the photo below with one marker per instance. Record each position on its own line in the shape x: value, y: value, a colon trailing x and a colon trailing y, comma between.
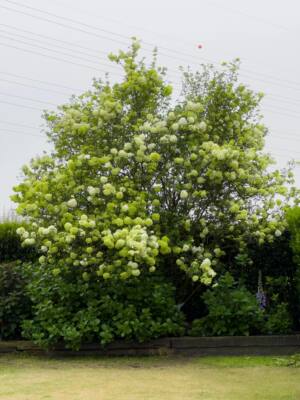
x: 278, y: 317
x: 70, y: 310
x: 14, y: 303
x: 278, y: 320
x: 10, y: 243
x: 232, y: 310
x: 293, y: 218
x: 278, y: 268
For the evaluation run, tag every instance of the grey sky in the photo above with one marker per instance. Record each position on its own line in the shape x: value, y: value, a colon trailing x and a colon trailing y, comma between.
x: 264, y: 34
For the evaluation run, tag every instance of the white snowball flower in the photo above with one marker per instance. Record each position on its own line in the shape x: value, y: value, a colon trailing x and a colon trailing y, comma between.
x: 93, y: 191
x: 205, y: 263
x: 72, y: 203
x: 202, y: 126
x: 20, y: 231
x: 182, y: 121
x: 183, y: 194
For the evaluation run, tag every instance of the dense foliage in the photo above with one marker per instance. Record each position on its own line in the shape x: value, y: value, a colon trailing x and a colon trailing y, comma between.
x: 14, y: 303
x: 73, y: 311
x: 137, y: 185
x: 10, y: 244
x: 293, y: 218
x: 232, y: 310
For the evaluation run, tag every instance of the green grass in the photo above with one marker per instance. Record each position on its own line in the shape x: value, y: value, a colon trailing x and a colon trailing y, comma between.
x: 149, y: 378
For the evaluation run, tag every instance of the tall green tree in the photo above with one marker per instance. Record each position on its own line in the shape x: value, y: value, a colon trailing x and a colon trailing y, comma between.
x: 135, y: 180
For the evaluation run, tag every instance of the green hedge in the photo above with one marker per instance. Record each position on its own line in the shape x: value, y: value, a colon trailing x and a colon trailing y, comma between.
x: 10, y: 244
x: 14, y: 303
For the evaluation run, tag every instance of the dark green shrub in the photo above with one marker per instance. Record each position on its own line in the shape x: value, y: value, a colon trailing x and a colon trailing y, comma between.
x: 10, y: 243
x: 232, y: 310
x: 280, y: 272
x: 293, y: 218
x: 14, y: 303
x: 278, y: 312
x: 278, y: 320
x: 70, y: 310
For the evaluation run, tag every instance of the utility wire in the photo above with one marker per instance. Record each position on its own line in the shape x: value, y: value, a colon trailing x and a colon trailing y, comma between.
x: 117, y: 35
x: 20, y: 105
x: 127, y: 38
x: 90, y: 50
x: 34, y: 87
x: 119, y: 22
x: 52, y: 57
x: 38, y: 80
x: 245, y: 14
x: 27, y: 98
x: 93, y: 53
x: 9, y: 131
x: 87, y: 55
x: 159, y: 34
x: 60, y: 53
x: 274, y: 111
x: 17, y: 124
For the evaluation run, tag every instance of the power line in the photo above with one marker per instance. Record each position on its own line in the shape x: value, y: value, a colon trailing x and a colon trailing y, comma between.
x: 38, y: 81
x: 281, y: 113
x: 282, y: 131
x: 115, y: 34
x: 248, y: 71
x: 27, y: 98
x: 21, y: 105
x: 93, y: 55
x: 51, y: 44
x: 56, y: 22
x: 67, y: 61
x: 283, y: 99
x: 58, y: 52
x: 278, y: 107
x: 270, y: 137
x: 119, y: 22
x: 275, y: 154
x: 82, y: 30
x: 277, y: 111
x: 279, y: 83
x: 17, y: 124
x: 186, y: 42
x: 52, y: 57
x: 245, y: 14
x: 86, y: 25
x: 9, y: 131
x: 33, y: 87
x: 91, y: 50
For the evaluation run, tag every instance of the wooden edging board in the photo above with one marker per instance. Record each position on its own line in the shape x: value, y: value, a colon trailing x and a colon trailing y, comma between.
x: 200, y: 346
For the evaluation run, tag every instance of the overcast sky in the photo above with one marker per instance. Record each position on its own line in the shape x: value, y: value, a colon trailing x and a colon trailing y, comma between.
x: 51, y: 49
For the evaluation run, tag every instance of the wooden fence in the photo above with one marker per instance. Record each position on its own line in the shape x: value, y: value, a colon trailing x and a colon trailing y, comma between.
x: 186, y: 346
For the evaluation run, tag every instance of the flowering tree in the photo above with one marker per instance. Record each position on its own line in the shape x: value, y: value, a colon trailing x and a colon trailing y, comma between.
x: 135, y: 181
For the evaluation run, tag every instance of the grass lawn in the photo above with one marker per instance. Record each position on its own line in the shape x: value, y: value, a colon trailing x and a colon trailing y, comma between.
x: 154, y: 378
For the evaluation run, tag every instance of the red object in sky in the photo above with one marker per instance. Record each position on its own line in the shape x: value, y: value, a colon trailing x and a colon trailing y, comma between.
x: 200, y: 46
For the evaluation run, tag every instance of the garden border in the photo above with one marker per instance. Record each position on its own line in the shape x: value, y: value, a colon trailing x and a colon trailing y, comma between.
x: 186, y: 346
